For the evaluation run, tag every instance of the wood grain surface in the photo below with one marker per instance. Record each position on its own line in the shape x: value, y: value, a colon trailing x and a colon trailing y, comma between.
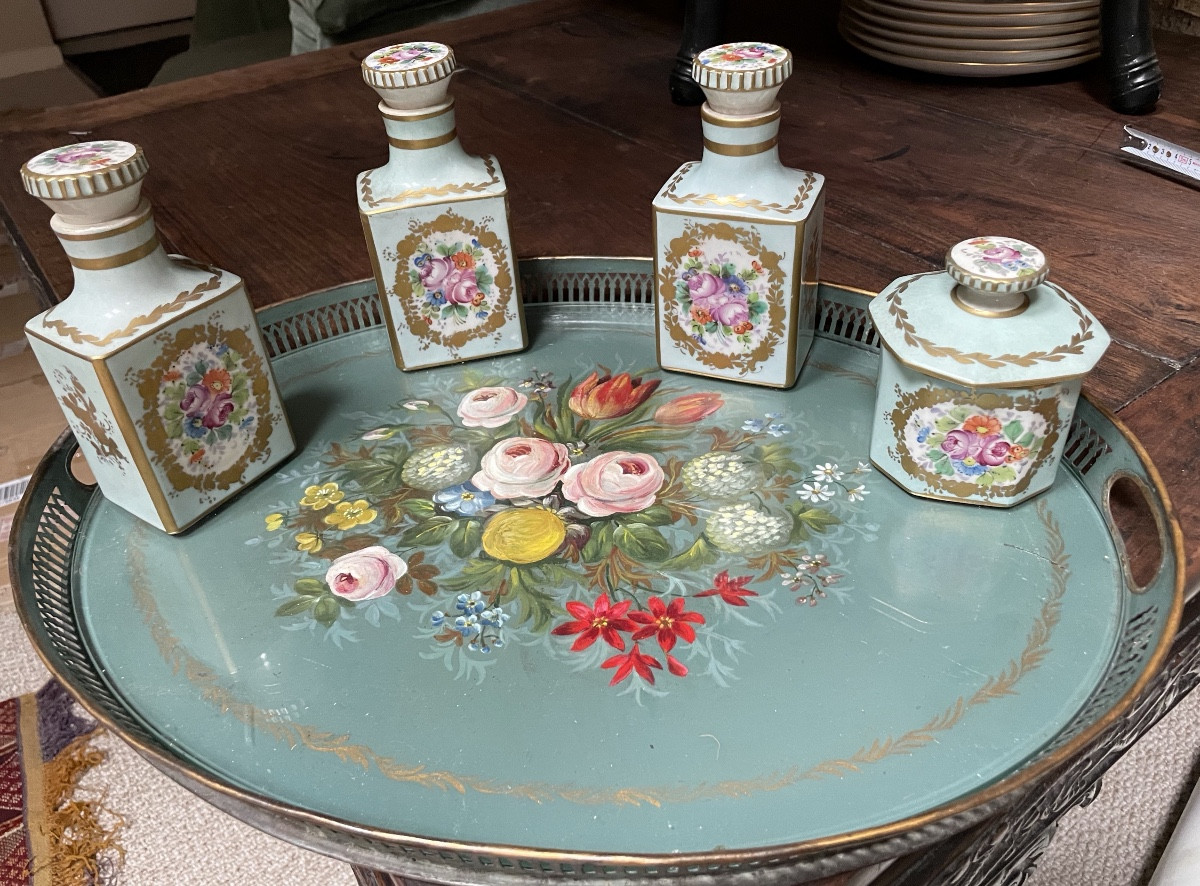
x: 254, y: 169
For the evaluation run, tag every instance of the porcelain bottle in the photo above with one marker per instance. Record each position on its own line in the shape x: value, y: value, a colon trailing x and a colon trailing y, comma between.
x: 737, y: 235
x: 980, y: 371
x: 436, y: 221
x: 156, y: 360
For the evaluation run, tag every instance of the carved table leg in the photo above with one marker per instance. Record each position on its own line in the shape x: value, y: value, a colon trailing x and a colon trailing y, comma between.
x: 701, y: 29
x: 1127, y: 52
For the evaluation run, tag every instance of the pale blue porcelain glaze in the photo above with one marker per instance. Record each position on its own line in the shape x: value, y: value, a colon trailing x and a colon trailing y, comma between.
x: 436, y: 221
x: 910, y: 658
x: 156, y: 360
x: 737, y: 235
x: 981, y: 370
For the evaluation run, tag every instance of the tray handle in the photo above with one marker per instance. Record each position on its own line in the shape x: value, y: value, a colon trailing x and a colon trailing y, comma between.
x: 1138, y: 524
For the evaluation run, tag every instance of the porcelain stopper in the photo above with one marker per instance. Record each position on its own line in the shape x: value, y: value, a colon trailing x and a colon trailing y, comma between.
x: 742, y: 79
x: 88, y: 183
x: 410, y: 76
x: 994, y: 273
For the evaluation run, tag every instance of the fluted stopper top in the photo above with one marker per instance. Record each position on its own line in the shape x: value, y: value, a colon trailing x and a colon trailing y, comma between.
x: 742, y: 79
x: 409, y: 76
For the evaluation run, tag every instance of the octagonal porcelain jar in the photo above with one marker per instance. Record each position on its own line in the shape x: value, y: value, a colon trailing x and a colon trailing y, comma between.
x: 980, y: 372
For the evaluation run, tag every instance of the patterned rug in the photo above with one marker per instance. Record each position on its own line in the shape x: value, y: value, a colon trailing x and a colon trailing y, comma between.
x: 51, y: 832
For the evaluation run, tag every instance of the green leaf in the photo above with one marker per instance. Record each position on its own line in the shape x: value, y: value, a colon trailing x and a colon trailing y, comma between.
x: 174, y: 429
x: 433, y: 531
x: 961, y: 413
x: 778, y: 458
x: 599, y: 543
x: 938, y: 456
x: 1026, y: 439
x: 986, y: 479
x: 701, y: 553
x: 1013, y: 430
x: 944, y: 467
x: 655, y: 515
x: 172, y: 413
x: 229, y: 360
x: 475, y: 574
x: 296, y: 605
x: 946, y: 423
x: 482, y: 278
x: 326, y: 610
x: 799, y: 532
x: 642, y: 542
x: 380, y: 473
x: 1003, y: 474
x: 445, y: 249
x: 534, y: 605
x: 817, y: 519
x: 936, y: 439
x: 309, y: 587
x: 193, y: 378
x: 419, y: 508
x: 465, y: 537
x: 240, y: 395
x: 224, y: 432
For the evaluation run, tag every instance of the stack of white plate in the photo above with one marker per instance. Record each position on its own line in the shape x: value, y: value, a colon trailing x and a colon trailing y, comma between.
x: 975, y: 38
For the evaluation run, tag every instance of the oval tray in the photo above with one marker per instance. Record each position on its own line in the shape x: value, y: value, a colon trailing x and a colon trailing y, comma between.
x: 751, y: 656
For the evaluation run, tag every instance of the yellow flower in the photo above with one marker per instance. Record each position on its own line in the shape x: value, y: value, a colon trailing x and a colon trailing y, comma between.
x: 274, y: 521
x: 320, y: 497
x: 307, y: 541
x: 347, y: 514
x: 524, y: 535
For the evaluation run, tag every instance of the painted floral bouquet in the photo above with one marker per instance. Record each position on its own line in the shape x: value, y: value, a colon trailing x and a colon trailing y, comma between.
x: 204, y: 398
x: 600, y: 519
x: 720, y: 301
x: 455, y: 283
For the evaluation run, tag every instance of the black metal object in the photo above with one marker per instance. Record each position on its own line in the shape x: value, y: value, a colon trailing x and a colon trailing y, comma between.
x: 701, y: 29
x: 1127, y: 53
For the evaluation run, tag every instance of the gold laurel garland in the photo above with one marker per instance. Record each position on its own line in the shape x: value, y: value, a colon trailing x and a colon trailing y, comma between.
x: 140, y: 322
x: 298, y: 735
x: 810, y: 180
x: 368, y: 195
x: 1073, y: 346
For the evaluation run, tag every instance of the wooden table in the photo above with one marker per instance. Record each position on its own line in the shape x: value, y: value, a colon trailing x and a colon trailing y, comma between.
x: 254, y: 171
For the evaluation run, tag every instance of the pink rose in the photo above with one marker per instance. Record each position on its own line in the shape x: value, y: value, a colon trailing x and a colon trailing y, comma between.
x: 704, y: 286
x: 730, y: 310
x: 461, y: 287
x: 614, y: 483
x: 490, y: 407
x: 960, y: 444
x: 993, y: 450
x: 522, y: 467
x: 365, y: 574
x: 434, y: 272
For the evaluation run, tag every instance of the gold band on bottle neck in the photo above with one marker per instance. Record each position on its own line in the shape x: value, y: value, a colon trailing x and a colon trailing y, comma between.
x: 119, y: 260
x: 420, y: 144
x: 710, y: 116
x: 741, y: 150
x: 136, y: 222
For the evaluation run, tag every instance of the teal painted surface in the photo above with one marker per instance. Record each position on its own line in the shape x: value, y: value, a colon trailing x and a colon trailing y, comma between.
x: 880, y: 702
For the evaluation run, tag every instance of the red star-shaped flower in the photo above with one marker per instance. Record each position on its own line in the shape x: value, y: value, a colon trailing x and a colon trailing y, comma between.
x: 633, y: 660
x: 668, y: 622
x: 731, y: 590
x: 600, y: 620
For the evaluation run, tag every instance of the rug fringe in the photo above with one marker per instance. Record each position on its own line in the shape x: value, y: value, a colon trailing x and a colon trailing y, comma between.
x: 82, y: 830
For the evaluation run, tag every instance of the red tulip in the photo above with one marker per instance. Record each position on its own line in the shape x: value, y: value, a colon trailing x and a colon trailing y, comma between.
x: 688, y: 409
x: 610, y: 397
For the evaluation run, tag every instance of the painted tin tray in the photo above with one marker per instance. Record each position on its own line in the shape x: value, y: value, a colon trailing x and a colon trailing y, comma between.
x: 537, y: 617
